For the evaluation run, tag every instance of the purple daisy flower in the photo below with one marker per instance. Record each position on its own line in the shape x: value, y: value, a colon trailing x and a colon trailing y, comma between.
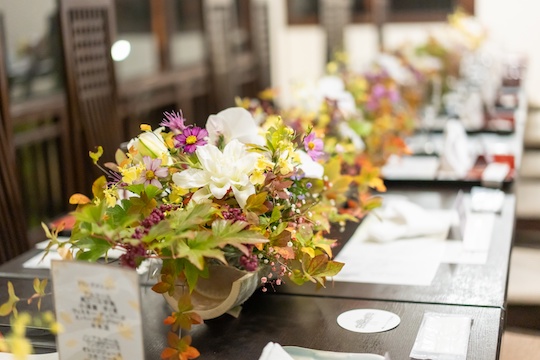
x: 153, y: 171
x: 314, y: 146
x: 190, y: 138
x: 174, y: 121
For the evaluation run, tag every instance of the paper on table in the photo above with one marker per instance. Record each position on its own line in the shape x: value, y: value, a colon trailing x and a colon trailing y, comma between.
x: 40, y: 262
x: 410, y: 168
x: 403, y: 262
x: 456, y: 253
x: 49, y: 356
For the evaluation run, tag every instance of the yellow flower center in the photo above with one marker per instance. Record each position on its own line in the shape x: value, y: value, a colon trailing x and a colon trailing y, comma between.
x: 311, y: 145
x: 191, y: 139
x: 150, y: 175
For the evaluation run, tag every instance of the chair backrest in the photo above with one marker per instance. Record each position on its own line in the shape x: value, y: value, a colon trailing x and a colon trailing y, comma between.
x: 218, y: 22
x: 260, y: 30
x: 238, y: 45
x: 335, y: 15
x: 13, y: 233
x: 87, y: 31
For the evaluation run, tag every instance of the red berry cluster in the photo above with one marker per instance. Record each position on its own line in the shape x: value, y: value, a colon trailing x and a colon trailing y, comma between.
x: 133, y: 252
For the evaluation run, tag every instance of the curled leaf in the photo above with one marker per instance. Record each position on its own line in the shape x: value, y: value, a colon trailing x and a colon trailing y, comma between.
x: 79, y: 199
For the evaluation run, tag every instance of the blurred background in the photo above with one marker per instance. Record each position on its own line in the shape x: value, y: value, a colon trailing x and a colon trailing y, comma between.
x: 65, y: 94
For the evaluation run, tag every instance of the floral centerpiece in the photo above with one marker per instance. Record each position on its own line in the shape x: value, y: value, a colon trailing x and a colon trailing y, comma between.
x: 232, y: 194
x: 361, y: 118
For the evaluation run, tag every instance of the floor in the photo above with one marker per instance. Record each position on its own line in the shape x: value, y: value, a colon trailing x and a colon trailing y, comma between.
x: 521, y: 339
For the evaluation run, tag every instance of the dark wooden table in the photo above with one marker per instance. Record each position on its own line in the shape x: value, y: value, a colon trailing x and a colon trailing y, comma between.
x: 303, y: 316
x: 460, y: 284
x: 303, y: 321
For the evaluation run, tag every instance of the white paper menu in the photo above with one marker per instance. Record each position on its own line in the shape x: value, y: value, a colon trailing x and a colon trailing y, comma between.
x: 99, y: 309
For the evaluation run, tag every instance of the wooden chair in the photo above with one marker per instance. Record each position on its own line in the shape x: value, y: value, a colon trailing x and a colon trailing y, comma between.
x: 239, y: 67
x: 335, y: 15
x: 13, y: 234
x: 87, y: 28
x: 261, y: 40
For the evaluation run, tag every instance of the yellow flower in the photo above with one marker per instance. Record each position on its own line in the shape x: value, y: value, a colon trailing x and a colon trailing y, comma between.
x: 284, y: 163
x: 132, y: 173
x: 146, y: 127
x: 110, y: 197
x: 263, y: 163
x: 177, y: 194
x: 257, y: 178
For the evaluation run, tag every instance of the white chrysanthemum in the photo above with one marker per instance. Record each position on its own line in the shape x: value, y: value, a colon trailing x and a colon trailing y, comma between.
x: 221, y: 172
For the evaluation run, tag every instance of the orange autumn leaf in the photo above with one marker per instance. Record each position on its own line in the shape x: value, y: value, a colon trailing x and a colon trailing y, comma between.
x: 79, y: 199
x: 180, y: 349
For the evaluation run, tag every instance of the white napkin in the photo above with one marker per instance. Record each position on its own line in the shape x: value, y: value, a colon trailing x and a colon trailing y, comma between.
x: 274, y: 351
x: 455, y: 158
x: 472, y: 113
x: 401, y: 219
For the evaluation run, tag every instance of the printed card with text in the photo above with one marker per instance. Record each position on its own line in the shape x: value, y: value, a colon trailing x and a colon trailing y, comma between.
x: 99, y: 309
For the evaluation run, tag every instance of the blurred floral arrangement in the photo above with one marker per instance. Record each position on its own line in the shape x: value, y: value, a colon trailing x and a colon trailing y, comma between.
x: 233, y: 193
x: 362, y: 118
x: 443, y: 59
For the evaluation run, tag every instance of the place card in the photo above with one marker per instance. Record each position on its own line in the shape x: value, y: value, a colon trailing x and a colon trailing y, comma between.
x: 368, y: 320
x: 99, y: 309
x: 476, y: 229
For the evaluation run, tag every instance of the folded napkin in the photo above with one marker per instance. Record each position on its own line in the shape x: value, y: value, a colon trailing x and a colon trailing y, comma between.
x: 401, y: 218
x: 274, y: 351
x: 455, y: 158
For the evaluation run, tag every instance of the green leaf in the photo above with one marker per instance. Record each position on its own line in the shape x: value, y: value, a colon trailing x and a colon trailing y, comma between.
x: 276, y: 214
x: 191, y: 218
x: 226, y: 232
x: 192, y: 274
x: 92, y: 249
x: 136, y: 189
x: 198, y: 249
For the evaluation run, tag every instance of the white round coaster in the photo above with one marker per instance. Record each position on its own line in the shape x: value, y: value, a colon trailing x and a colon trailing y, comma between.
x: 368, y: 320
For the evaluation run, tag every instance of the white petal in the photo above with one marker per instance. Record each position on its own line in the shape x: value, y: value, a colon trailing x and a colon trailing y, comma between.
x: 243, y: 194
x: 234, y: 123
x: 191, y: 178
x: 311, y: 169
x: 219, y: 190
x: 210, y: 157
x: 201, y: 196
